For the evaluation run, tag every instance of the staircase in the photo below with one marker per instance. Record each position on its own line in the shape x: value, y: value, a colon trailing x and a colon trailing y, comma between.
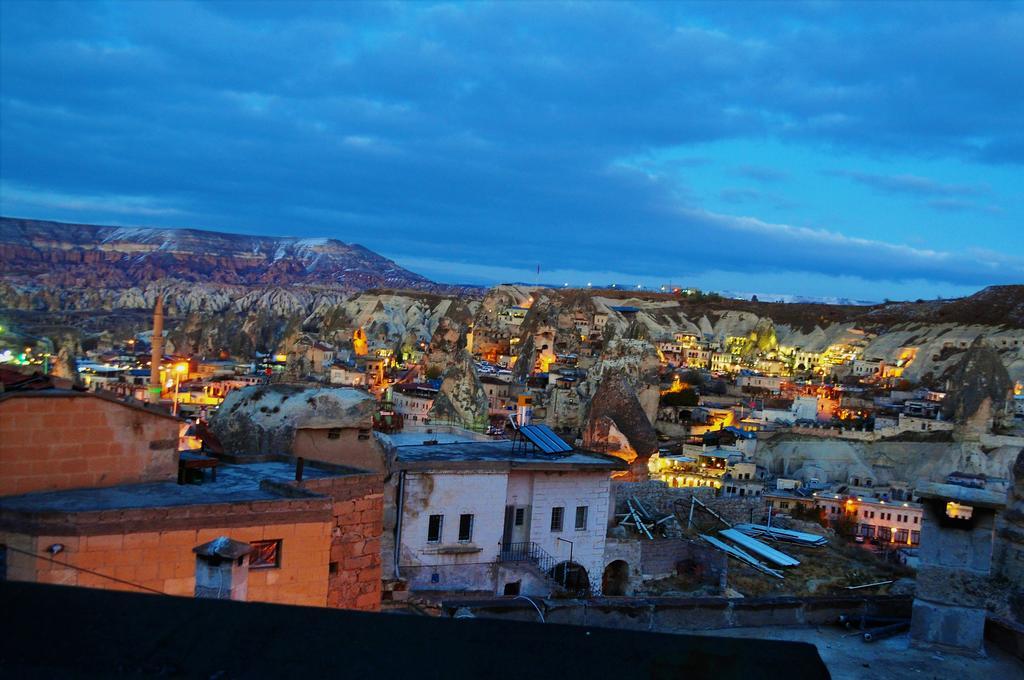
x: 531, y: 553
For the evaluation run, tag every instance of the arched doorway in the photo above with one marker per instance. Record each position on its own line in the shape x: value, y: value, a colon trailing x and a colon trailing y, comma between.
x: 571, y: 576
x: 616, y: 578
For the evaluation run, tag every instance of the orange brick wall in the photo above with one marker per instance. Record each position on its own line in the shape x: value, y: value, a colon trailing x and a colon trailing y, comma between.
x: 66, y: 442
x: 355, y: 548
x: 164, y: 561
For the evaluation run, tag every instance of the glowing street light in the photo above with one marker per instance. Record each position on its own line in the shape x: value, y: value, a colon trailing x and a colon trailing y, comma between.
x: 178, y: 370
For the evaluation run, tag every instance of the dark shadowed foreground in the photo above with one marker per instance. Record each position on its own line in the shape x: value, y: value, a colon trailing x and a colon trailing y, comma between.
x: 55, y: 631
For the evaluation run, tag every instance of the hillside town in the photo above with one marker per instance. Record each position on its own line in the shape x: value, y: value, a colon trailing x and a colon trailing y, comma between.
x: 533, y: 443
x: 511, y: 340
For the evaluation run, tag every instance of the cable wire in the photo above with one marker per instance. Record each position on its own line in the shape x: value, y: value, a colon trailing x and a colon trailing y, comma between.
x: 87, y: 571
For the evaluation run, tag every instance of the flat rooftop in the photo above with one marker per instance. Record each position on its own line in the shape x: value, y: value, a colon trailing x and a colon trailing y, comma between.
x: 444, y: 434
x: 503, y: 453
x: 235, y: 483
x: 848, y: 657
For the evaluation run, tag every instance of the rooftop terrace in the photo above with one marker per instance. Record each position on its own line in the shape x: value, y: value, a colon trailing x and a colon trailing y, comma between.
x: 502, y: 453
x: 235, y: 483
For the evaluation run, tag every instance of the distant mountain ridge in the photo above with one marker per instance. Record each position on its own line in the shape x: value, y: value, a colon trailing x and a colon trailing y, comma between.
x: 86, y: 255
x: 799, y: 299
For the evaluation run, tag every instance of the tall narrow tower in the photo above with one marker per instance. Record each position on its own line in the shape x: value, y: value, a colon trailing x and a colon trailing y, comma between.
x: 155, y: 386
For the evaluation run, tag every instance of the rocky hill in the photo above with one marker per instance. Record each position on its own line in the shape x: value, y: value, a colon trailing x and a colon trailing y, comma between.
x: 236, y: 293
x: 55, y: 254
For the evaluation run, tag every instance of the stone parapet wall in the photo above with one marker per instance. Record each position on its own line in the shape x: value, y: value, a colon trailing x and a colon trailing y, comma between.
x: 688, y: 614
x: 167, y: 518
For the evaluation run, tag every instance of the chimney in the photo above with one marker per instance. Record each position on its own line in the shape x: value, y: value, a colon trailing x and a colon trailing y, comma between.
x: 155, y: 386
x: 222, y: 569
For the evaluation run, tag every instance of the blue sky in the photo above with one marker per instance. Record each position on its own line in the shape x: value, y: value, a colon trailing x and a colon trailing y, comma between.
x: 825, y: 149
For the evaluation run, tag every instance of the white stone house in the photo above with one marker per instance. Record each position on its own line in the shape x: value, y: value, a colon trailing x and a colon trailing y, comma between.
x: 413, y: 401
x: 347, y: 376
x: 500, y: 517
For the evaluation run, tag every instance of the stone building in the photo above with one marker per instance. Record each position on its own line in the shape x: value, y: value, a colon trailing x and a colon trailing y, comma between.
x: 326, y: 424
x: 96, y: 496
x: 499, y: 517
x: 60, y: 439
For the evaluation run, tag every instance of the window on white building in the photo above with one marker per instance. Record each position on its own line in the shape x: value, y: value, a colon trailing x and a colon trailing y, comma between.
x: 465, y: 528
x: 520, y: 516
x: 434, y: 528
x: 581, y: 518
x: 557, y: 515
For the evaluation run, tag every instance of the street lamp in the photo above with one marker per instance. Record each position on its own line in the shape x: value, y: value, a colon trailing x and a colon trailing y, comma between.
x: 565, y: 572
x: 178, y: 370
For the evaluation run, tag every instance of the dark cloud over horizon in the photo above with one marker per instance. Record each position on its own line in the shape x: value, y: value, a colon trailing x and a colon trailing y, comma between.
x: 511, y: 132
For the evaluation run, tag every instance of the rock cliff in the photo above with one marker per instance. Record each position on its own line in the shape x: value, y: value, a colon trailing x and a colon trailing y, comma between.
x: 462, y: 397
x: 264, y: 418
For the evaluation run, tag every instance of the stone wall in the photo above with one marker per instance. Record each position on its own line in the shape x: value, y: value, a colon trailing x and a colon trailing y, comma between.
x: 82, y: 440
x: 1008, y: 557
x: 659, y: 498
x: 627, y: 550
x: 355, y: 553
x: 671, y: 615
x: 660, y: 559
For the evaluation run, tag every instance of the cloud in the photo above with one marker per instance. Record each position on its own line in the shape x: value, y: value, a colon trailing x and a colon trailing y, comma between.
x: 911, y: 184
x: 15, y: 199
x: 496, y: 132
x: 761, y: 174
x: 956, y: 205
x: 743, y: 196
x: 740, y: 196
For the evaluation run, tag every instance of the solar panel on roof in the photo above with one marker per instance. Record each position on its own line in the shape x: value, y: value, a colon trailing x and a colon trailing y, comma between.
x: 563, y: 446
x: 544, y: 439
x: 530, y: 433
x: 552, y: 444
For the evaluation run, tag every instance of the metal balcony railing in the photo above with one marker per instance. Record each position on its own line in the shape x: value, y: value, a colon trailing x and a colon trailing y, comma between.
x: 528, y: 551
x: 562, y: 572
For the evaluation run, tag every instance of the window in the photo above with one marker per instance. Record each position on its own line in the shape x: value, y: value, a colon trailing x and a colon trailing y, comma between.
x: 434, y: 527
x: 557, y: 514
x: 957, y: 511
x: 265, y: 554
x: 915, y: 519
x: 581, y: 518
x: 465, y: 528
x: 334, y: 433
x: 520, y: 516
